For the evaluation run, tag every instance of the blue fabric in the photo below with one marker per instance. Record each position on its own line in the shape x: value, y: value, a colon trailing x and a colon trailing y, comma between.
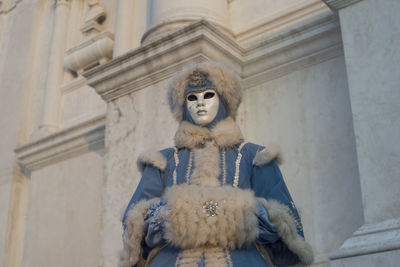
x: 248, y: 257
x: 268, y: 233
x: 266, y: 181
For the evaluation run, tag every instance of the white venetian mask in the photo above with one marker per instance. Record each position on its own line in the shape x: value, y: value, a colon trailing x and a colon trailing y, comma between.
x: 203, y: 106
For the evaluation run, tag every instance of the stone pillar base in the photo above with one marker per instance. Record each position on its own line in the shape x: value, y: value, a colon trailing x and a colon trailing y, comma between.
x: 371, y: 245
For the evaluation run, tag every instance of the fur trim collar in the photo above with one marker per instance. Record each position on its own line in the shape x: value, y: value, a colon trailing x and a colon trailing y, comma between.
x: 225, y: 133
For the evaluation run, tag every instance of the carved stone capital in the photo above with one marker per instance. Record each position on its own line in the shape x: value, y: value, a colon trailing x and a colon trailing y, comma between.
x: 63, y: 2
x: 339, y: 4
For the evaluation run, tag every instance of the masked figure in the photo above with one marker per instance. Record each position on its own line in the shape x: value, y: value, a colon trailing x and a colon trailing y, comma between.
x: 213, y: 199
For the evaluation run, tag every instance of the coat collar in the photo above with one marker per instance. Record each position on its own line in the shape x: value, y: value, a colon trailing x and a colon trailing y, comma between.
x: 225, y: 133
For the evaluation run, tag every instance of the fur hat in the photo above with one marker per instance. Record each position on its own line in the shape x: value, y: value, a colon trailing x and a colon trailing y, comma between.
x: 224, y: 82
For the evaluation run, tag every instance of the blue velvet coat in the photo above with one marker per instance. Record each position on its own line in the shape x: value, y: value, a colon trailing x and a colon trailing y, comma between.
x: 245, y: 166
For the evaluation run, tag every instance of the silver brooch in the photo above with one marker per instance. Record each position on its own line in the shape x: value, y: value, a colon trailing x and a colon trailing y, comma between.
x: 210, y: 208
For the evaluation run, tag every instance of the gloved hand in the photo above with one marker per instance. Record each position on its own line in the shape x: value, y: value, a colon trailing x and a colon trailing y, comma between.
x: 154, y: 221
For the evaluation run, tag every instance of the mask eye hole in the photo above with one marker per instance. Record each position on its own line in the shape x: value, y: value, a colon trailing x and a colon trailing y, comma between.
x: 209, y: 95
x: 191, y: 97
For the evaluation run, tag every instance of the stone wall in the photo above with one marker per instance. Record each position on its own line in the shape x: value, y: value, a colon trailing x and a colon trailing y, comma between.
x: 83, y: 93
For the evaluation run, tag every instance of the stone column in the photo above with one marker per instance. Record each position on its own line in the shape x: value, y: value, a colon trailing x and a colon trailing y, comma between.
x: 55, y: 71
x: 123, y: 34
x: 371, y: 38
x: 168, y: 16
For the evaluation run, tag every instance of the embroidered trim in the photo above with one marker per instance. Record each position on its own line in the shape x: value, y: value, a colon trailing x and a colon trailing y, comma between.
x: 299, y: 227
x: 237, y: 165
x: 223, y: 166
x: 189, y: 257
x: 264, y: 254
x: 228, y: 259
x: 189, y: 167
x: 215, y: 257
x: 153, y: 253
x: 176, y: 163
x: 178, y: 260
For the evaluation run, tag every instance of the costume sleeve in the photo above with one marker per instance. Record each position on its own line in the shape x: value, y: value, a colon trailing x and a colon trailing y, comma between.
x: 150, y: 186
x: 148, y: 192
x: 271, y: 191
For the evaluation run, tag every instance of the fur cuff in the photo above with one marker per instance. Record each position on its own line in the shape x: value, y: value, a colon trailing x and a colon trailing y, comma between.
x: 285, y: 224
x: 210, y: 216
x: 154, y: 158
x: 268, y: 154
x: 133, y: 234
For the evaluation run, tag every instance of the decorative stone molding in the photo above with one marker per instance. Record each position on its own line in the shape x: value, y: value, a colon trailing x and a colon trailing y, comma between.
x: 92, y: 52
x: 166, y: 17
x: 286, y: 19
x: 302, y: 46
x: 202, y: 41
x: 73, y: 85
x: 160, y: 59
x: 97, y: 46
x: 339, y: 4
x: 95, y: 16
x: 87, y: 136
x: 371, y: 238
x: 8, y: 5
x: 63, y: 2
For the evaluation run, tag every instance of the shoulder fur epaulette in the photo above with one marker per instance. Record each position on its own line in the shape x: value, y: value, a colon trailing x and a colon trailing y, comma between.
x: 268, y: 154
x: 154, y: 158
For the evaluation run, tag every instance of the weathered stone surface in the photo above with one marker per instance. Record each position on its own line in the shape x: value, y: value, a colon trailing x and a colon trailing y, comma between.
x: 136, y: 122
x: 290, y: 56
x: 307, y: 113
x: 373, y: 75
x: 64, y: 213
x: 370, y: 38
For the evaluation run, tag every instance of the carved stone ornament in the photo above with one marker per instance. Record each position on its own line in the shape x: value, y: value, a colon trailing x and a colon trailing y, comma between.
x: 97, y: 45
x: 94, y: 19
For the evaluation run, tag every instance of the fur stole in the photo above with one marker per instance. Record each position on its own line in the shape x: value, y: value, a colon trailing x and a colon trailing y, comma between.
x: 225, y: 133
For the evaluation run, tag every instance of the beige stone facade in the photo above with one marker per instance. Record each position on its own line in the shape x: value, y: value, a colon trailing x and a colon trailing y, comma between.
x: 83, y: 93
